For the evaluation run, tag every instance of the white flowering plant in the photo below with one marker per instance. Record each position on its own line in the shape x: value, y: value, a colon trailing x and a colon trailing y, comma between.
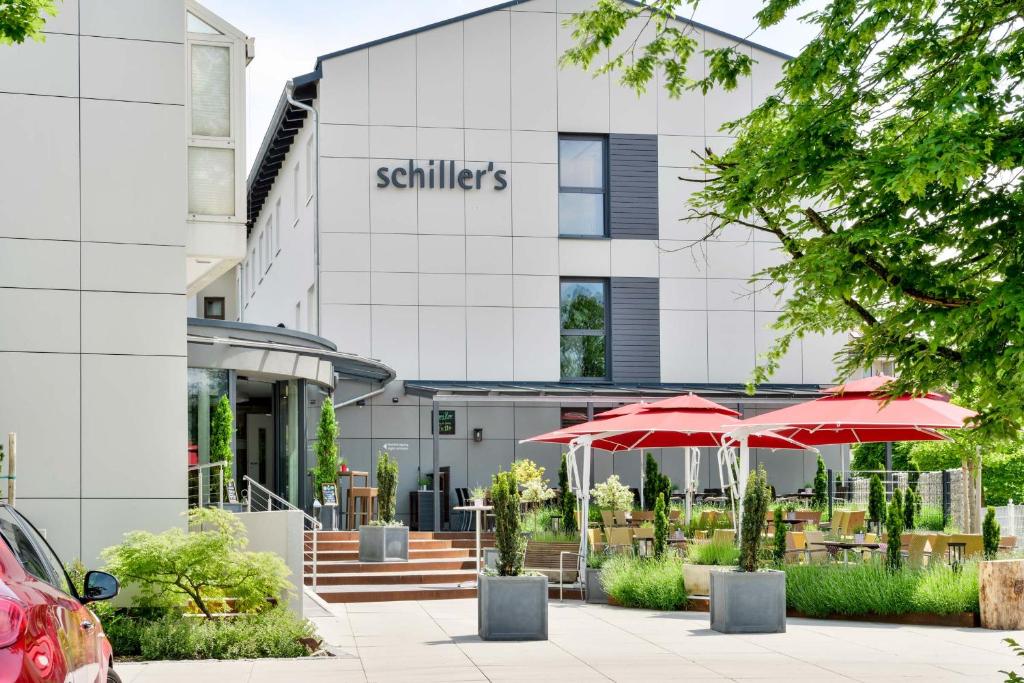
x: 536, y: 491
x: 612, y: 494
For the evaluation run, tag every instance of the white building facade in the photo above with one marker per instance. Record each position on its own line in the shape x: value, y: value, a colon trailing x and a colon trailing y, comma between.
x: 508, y: 236
x: 122, y: 198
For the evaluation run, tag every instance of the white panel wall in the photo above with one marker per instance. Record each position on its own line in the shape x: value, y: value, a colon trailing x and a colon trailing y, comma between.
x: 92, y: 273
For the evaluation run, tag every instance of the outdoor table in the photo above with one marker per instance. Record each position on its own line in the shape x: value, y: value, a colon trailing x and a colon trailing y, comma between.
x: 478, y: 509
x: 833, y: 548
x: 716, y: 499
x: 791, y: 522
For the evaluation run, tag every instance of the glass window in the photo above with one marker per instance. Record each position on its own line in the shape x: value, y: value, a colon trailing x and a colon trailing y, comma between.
x: 31, y: 557
x: 205, y: 388
x: 196, y: 25
x: 213, y: 307
x: 211, y: 90
x: 583, y: 314
x: 581, y: 186
x: 211, y: 181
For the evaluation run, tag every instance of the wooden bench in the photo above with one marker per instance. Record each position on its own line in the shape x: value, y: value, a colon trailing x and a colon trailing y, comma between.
x: 544, y: 557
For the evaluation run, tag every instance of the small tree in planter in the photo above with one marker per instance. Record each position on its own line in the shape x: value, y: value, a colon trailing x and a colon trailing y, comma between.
x: 910, y: 506
x: 748, y: 600
x: 222, y: 426
x: 990, y: 534
x: 779, y: 547
x: 510, y: 606
x: 385, y: 539
x: 326, y: 449
x: 894, y: 529
x: 820, y: 499
x: 876, y: 502
x: 660, y: 526
x: 654, y: 482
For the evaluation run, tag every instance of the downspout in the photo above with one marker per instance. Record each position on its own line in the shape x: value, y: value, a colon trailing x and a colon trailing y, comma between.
x: 363, y: 397
x: 289, y: 88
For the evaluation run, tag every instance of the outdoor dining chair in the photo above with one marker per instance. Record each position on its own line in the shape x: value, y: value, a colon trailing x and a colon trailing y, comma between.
x: 724, y: 536
x: 939, y: 546
x: 814, y: 549
x: 796, y: 546
x: 916, y: 550
x: 620, y: 538
x: 854, y: 520
x: 837, y: 524
x: 607, y: 518
x: 1007, y: 542
x: 620, y: 518
x: 596, y: 540
x: 641, y: 516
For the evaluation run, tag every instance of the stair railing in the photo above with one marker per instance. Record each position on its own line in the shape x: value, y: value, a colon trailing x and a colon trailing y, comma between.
x: 258, y: 498
x: 206, y: 485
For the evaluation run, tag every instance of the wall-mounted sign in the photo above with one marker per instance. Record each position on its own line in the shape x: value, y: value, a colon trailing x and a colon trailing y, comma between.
x: 441, y: 174
x: 393, y: 446
x: 329, y: 493
x: 232, y: 494
x: 445, y: 422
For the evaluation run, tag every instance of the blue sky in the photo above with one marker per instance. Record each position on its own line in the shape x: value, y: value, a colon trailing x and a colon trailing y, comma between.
x: 290, y: 34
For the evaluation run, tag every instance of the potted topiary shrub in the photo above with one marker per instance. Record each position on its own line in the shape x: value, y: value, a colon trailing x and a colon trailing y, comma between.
x: 510, y: 605
x: 385, y: 539
x: 750, y: 600
x: 596, y: 594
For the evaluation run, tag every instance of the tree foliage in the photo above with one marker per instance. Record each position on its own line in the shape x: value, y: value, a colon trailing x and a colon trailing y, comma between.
x: 876, y: 501
x: 911, y: 504
x: 387, y: 486
x: 203, y: 565
x: 779, y: 538
x: 655, y: 482
x: 820, y: 499
x: 660, y: 526
x: 870, y: 457
x: 990, y: 534
x: 222, y: 427
x: 508, y: 537
x: 894, y: 529
x: 24, y: 19
x: 888, y: 168
x: 567, y: 499
x: 326, y: 448
x: 756, y: 500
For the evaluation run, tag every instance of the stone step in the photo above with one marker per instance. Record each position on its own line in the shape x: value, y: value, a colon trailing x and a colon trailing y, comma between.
x: 444, y: 553
x: 385, y: 578
x: 334, y: 546
x: 396, y: 592
x: 356, y: 567
x: 487, y: 536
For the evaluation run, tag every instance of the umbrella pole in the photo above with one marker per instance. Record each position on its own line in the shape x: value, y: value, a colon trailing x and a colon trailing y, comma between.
x: 688, y: 454
x: 642, y: 480
x: 585, y: 515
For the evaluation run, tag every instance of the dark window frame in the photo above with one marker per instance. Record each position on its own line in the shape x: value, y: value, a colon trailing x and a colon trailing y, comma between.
x: 606, y: 333
x: 605, y: 182
x: 206, y: 307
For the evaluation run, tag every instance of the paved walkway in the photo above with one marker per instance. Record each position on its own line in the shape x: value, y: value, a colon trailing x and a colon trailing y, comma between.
x: 436, y: 641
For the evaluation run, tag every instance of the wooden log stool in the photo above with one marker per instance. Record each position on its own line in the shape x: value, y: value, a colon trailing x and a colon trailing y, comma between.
x: 362, y: 502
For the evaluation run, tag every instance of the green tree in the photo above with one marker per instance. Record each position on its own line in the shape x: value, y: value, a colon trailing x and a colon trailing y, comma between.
x: 326, y: 449
x: 894, y: 528
x: 756, y: 500
x: 1002, y: 471
x: 887, y: 165
x: 779, y: 547
x: 23, y: 19
x: 566, y: 499
x: 820, y: 499
x: 990, y: 534
x: 508, y: 537
x: 205, y: 564
x: 870, y: 457
x: 222, y: 427
x: 660, y: 526
x: 876, y: 502
x: 387, y: 486
x: 910, y: 506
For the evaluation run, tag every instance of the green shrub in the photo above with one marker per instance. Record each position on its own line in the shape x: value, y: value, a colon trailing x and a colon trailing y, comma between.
x: 567, y: 499
x: 779, y: 546
x: 1002, y: 471
x: 820, y: 499
x: 554, y: 537
x: 660, y: 526
x: 508, y: 537
x: 222, y: 427
x: 326, y: 448
x: 871, y: 456
x: 819, y: 590
x: 387, y: 486
x: 910, y: 505
x: 990, y: 534
x: 274, y: 633
x: 713, y: 552
x: 654, y: 482
x: 894, y: 528
x: 930, y: 518
x: 756, y: 499
x: 645, y: 582
x: 202, y: 566
x: 876, y: 502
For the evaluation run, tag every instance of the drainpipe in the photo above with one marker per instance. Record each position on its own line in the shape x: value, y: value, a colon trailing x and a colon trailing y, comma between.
x: 289, y: 88
x: 361, y: 397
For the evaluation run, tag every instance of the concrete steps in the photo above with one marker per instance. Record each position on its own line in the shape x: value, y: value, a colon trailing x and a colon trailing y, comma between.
x: 433, y: 554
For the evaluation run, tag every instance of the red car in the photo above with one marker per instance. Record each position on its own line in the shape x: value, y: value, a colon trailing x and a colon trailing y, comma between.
x: 47, y: 633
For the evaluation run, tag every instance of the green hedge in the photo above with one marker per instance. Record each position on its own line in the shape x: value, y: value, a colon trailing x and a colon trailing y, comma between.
x: 645, y: 582
x: 274, y: 633
x: 1002, y: 466
x: 860, y: 589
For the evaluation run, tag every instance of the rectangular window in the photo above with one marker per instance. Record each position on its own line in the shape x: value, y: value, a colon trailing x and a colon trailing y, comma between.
x: 584, y: 326
x: 263, y: 253
x: 295, y: 194
x: 582, y: 185
x: 252, y: 272
x: 277, y: 225
x: 309, y: 168
x: 274, y: 241
x: 211, y: 90
x: 213, y: 307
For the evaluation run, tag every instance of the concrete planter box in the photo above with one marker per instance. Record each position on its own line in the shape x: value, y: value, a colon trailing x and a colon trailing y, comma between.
x: 512, y: 607
x: 748, y: 602
x: 383, y: 543
x: 595, y: 591
x: 697, y: 577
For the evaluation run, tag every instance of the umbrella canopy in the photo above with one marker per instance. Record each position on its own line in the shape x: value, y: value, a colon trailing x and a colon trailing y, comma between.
x: 858, y: 412
x: 564, y: 436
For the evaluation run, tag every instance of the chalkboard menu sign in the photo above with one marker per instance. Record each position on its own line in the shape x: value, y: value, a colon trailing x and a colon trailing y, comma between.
x: 329, y: 492
x: 229, y: 487
x: 446, y: 422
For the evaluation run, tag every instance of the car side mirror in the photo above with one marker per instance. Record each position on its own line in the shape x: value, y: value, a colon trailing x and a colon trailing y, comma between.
x: 100, y: 586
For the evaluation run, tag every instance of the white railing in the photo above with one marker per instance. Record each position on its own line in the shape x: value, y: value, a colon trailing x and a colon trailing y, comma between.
x: 1011, y: 520
x: 206, y: 485
x: 258, y: 498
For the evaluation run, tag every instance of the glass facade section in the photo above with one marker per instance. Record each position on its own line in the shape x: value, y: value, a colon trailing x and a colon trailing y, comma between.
x: 205, y: 387
x: 211, y: 90
x: 583, y: 316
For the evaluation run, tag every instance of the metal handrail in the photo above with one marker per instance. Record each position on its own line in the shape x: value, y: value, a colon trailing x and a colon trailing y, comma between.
x: 220, y: 481
x: 315, y: 526
x: 580, y: 578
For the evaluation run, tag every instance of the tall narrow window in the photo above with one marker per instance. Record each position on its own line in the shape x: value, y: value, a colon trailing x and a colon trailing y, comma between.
x: 582, y: 186
x: 211, y: 154
x: 277, y: 225
x: 584, y: 324
x: 252, y: 272
x: 263, y: 253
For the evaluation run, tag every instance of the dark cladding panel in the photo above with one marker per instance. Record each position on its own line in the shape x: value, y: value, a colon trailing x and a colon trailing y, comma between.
x: 633, y: 186
x: 635, y: 330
